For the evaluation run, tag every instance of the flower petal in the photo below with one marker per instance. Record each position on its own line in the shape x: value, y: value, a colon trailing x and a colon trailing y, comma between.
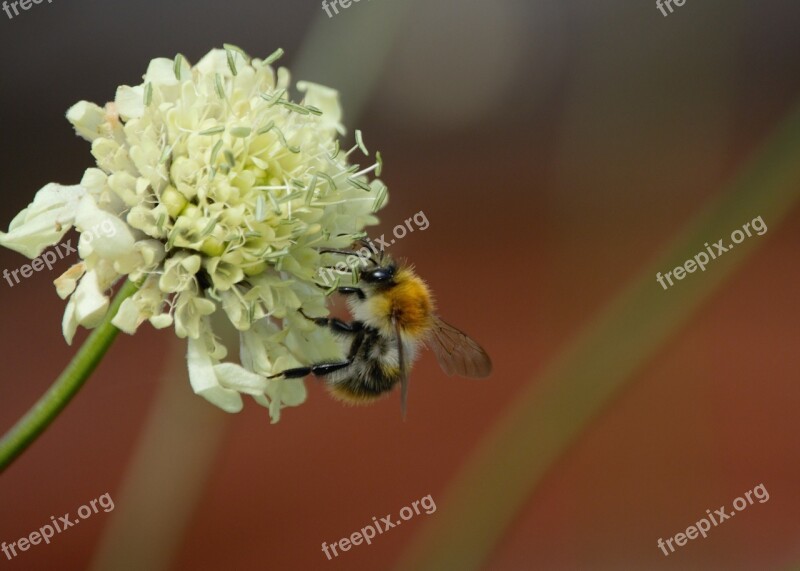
x: 66, y: 282
x: 128, y: 317
x: 238, y: 378
x: 204, y: 380
x: 190, y: 309
x: 282, y: 393
x: 87, y: 118
x: 325, y: 99
x: 69, y: 324
x: 130, y: 101
x: 45, y: 221
x: 90, y: 302
x: 215, y: 61
x: 102, y: 232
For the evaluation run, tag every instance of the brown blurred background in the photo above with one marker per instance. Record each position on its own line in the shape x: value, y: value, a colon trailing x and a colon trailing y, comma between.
x: 556, y: 148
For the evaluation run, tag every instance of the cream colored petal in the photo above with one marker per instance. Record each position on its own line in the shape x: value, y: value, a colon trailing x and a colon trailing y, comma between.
x: 326, y: 100
x: 90, y: 302
x: 147, y: 220
x: 281, y: 393
x: 94, y: 181
x: 293, y: 392
x: 236, y: 309
x: 161, y: 72
x: 128, y: 317
x: 151, y: 252
x: 315, y: 345
x: 87, y: 118
x: 253, y: 352
x: 45, y: 221
x: 189, y: 312
x: 104, y: 271
x: 284, y: 78
x: 130, y: 101
x: 102, y: 232
x: 224, y: 275
x: 179, y: 271
x: 161, y: 321
x: 66, y: 282
x: 236, y: 377
x: 69, y: 323
x: 204, y: 380
x: 124, y: 185
x: 215, y: 61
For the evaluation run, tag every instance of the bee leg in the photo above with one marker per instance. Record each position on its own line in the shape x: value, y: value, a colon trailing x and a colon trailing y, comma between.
x: 364, y: 242
x: 318, y: 370
x: 322, y: 369
x: 356, y: 345
x: 347, y: 290
x: 335, y: 325
x: 336, y: 251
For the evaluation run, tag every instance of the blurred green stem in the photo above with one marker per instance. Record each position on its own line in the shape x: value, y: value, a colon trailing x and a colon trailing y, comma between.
x: 552, y: 412
x: 47, y: 408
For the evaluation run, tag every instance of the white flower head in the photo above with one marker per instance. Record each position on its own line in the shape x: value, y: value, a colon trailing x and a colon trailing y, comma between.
x: 214, y: 191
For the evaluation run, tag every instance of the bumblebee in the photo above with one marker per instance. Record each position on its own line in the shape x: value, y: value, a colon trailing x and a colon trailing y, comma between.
x: 394, y: 315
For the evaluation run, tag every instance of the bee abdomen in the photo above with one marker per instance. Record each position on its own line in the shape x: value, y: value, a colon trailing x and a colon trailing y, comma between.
x: 372, y: 384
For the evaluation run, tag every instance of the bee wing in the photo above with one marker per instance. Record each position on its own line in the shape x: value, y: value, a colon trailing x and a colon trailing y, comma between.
x: 401, y: 364
x: 457, y: 353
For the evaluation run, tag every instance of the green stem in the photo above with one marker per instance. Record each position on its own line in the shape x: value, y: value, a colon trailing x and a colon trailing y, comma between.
x: 47, y: 408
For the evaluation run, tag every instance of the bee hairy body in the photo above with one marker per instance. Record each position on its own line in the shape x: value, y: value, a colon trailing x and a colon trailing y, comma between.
x: 402, y: 306
x: 394, y: 314
x: 372, y: 372
x: 407, y: 301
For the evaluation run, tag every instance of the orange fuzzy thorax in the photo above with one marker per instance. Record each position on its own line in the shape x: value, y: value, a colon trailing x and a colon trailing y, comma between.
x: 409, y: 302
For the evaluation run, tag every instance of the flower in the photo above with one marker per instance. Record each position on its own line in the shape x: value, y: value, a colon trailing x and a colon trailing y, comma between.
x: 216, y: 192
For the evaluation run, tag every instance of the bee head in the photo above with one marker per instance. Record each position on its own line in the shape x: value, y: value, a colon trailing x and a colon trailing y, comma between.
x: 382, y: 275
